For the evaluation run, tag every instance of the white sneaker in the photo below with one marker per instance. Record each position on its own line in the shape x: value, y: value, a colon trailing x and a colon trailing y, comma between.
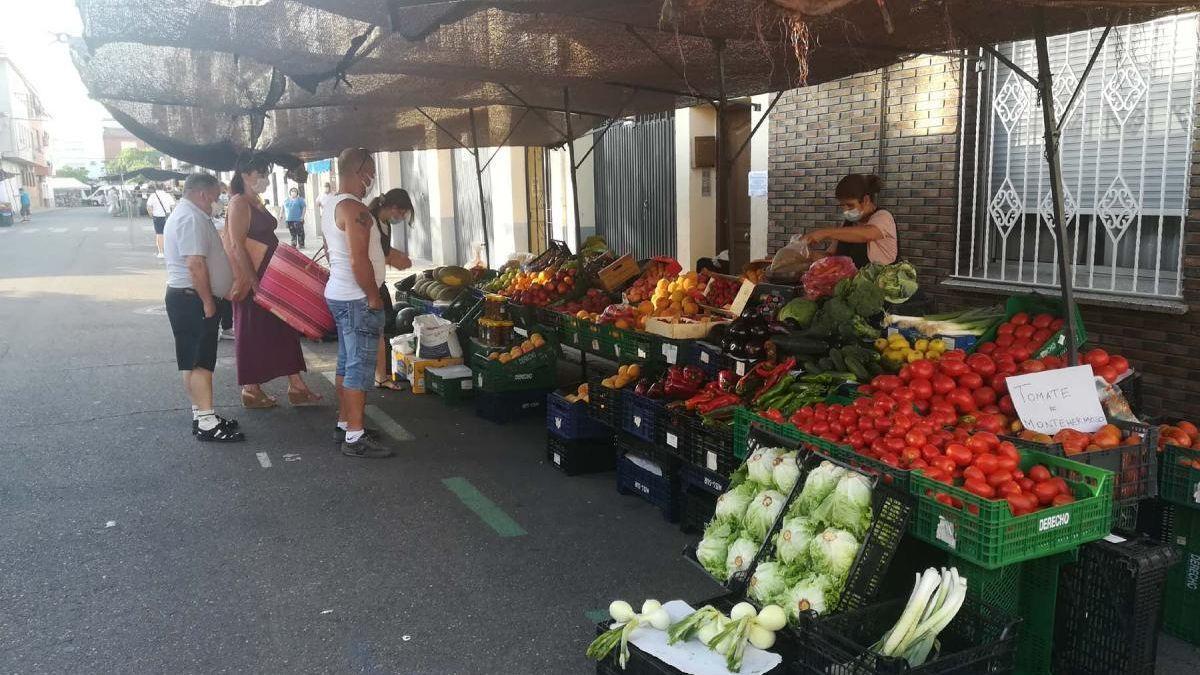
x: 158, y: 255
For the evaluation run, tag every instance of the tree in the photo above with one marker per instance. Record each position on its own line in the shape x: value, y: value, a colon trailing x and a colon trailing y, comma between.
x: 76, y: 172
x: 132, y: 158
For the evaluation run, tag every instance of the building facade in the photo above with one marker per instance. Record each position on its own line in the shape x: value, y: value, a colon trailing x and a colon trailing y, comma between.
x: 24, y: 141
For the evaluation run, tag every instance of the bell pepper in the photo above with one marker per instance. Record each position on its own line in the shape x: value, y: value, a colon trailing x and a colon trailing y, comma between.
x: 719, y: 401
x: 702, y: 397
x: 727, y: 380
x: 774, y: 415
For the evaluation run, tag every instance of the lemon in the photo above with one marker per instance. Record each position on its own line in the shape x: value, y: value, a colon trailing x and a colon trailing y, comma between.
x: 921, y: 345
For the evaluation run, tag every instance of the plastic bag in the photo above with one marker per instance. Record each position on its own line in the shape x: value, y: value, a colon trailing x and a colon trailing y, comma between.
x: 824, y: 274
x: 436, y: 338
x: 405, y: 344
x: 790, y: 261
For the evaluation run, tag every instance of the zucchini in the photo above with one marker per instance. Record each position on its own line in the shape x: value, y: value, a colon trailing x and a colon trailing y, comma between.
x: 839, y: 361
x: 854, y: 365
x: 826, y: 364
x: 798, y: 345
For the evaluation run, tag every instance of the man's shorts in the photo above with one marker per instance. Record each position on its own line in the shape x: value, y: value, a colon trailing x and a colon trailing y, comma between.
x: 159, y: 224
x: 359, y: 328
x: 195, y: 335
x: 25, y: 210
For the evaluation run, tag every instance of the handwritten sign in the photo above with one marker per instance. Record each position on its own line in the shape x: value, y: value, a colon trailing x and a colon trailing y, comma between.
x: 1059, y: 399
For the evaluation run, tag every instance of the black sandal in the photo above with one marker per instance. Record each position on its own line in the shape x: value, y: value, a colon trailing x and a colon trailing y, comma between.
x: 232, y: 424
x: 222, y: 433
x: 391, y: 385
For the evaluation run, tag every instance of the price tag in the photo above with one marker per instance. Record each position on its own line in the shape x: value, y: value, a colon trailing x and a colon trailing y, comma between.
x: 710, y: 460
x: 945, y: 533
x: 557, y: 422
x: 672, y: 440
x: 703, y: 356
x: 520, y: 331
x: 671, y: 352
x: 617, y: 349
x: 641, y: 353
x: 740, y: 368
x: 1196, y: 493
x: 557, y: 459
x: 1114, y: 539
x: 637, y: 421
x: 467, y: 385
x: 595, y: 345
x: 949, y: 342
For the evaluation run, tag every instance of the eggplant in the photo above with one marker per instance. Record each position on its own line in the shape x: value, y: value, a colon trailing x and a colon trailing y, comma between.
x: 734, y: 347
x: 739, y: 329
x: 753, y: 350
x: 759, y: 331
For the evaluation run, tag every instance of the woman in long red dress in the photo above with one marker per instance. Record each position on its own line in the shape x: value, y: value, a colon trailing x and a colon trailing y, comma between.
x: 266, y: 347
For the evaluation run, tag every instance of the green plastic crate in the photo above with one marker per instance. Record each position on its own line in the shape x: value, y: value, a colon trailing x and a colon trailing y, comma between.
x: 1000, y: 588
x: 498, y: 378
x: 635, y: 346
x: 1038, y: 600
x: 1035, y: 303
x: 452, y: 390
x: 571, y: 331
x: 1179, y: 481
x: 1181, y: 602
x: 986, y: 533
x: 600, y: 340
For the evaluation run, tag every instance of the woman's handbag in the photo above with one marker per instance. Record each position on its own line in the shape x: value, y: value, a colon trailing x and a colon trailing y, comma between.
x: 292, y: 288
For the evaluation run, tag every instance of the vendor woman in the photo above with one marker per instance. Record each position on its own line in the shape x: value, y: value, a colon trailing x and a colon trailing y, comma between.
x: 867, y: 233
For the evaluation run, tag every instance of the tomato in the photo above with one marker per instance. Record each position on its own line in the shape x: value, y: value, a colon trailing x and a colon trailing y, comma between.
x: 910, y: 455
x: 1063, y: 488
x: 915, y: 438
x: 943, y: 498
x: 922, y: 389
x: 890, y: 459
x: 893, y: 444
x: 984, y: 397
x: 961, y: 400
x: 954, y: 355
x: 922, y: 369
x: 974, y: 473
x: 1057, y: 324
x: 1026, y: 484
x: 1188, y: 428
x: 1042, y: 321
x: 1024, y: 332
x: 970, y: 380
x: 1008, y: 488
x: 945, y: 465
x: 1017, y: 474
x: 930, y: 452
x: 986, y: 348
x: 886, y: 383
x: 1119, y: 364
x: 1109, y: 373
x: 1022, y: 503
x: 980, y: 488
x: 1095, y: 358
x: 952, y: 367
x: 1045, y: 492
x: 1005, y: 328
x: 998, y: 477
x: 942, y: 384
x: 1041, y: 335
x: 1004, y: 341
x: 905, y: 373
x: 992, y: 422
x: 986, y: 463
x: 959, y: 454
x: 1030, y: 366
x: 1019, y: 319
x: 977, y: 445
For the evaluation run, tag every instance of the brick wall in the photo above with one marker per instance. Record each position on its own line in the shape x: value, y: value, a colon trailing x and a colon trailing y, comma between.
x: 821, y: 133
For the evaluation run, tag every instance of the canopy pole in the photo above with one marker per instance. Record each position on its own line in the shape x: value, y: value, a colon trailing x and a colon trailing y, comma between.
x: 571, y: 159
x: 722, y: 177
x: 487, y: 248
x: 1050, y: 121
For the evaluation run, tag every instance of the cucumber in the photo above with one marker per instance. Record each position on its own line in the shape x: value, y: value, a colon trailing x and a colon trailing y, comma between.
x: 854, y: 365
x: 810, y: 366
x: 799, y: 345
x: 839, y: 361
x: 826, y: 364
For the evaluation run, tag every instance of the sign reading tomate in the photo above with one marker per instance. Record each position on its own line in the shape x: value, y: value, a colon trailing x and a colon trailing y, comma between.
x: 1051, y: 401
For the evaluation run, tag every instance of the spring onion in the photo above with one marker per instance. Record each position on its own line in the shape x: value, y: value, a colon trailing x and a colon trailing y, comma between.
x: 625, y: 622
x: 975, y: 321
x: 935, y: 601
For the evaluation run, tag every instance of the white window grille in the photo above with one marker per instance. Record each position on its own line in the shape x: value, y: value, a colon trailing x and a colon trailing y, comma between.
x: 1125, y: 153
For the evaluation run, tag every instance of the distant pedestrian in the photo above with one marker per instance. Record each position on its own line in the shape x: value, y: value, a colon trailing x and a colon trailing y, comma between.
x: 159, y: 204
x: 26, y: 203
x: 294, y: 209
x: 323, y: 207
x: 198, y: 276
x: 356, y: 267
x: 266, y: 347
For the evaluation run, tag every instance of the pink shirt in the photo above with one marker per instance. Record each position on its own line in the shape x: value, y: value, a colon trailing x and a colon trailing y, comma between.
x: 882, y: 251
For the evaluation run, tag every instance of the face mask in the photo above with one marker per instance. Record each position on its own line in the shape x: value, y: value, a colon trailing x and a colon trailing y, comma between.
x: 852, y: 216
x: 368, y: 185
x: 261, y: 185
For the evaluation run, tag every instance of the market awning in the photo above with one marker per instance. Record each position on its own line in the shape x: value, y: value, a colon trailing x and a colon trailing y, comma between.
x: 206, y: 81
x: 145, y: 173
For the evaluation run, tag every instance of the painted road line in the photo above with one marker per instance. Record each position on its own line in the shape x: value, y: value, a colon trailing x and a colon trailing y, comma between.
x: 91, y: 229
x: 32, y: 230
x: 119, y: 228
x: 263, y: 459
x: 58, y: 230
x: 330, y: 375
x: 390, y: 426
x: 483, y: 507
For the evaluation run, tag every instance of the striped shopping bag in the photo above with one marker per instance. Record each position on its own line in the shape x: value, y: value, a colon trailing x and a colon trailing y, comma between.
x: 292, y: 288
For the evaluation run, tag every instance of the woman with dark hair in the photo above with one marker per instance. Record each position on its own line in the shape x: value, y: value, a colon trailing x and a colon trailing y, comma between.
x: 266, y: 347
x: 867, y: 233
x: 392, y: 206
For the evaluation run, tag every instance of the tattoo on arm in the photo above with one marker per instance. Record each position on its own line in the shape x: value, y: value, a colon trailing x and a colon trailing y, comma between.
x: 363, y: 218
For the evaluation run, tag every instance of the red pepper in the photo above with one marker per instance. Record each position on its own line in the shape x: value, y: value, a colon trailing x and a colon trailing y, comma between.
x: 727, y: 380
x: 720, y: 401
x: 774, y: 415
x: 700, y: 398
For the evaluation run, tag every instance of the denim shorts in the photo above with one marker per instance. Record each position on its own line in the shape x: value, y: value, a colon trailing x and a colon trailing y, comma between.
x: 359, y: 328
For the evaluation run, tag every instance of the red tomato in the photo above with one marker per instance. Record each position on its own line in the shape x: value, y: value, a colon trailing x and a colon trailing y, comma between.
x: 1063, y: 488
x: 945, y: 464
x: 893, y: 444
x: 1024, y: 332
x: 959, y: 454
x: 970, y: 380
x: 1005, y: 328
x: 984, y: 397
x: 955, y: 355
x: 973, y: 473
x: 922, y: 369
x: 1042, y: 321
x: 986, y: 463
x: 1062, y: 500
x: 905, y: 373
x: 930, y: 452
x: 886, y: 383
x: 961, y: 400
x: 1021, y: 353
x: 1004, y: 340
x: 1057, y: 324
x: 1022, y: 504
x: 1008, y: 488
x: 922, y: 389
x: 942, y: 384
x: 1119, y: 363
x: 943, y: 498
x: 998, y: 477
x: 1006, y: 405
x: 1107, y: 372
x: 1096, y: 357
x: 904, y: 394
x: 981, y: 364
x: 914, y: 438
x: 980, y: 488
x: 1019, y: 319
x: 977, y: 445
x: 1030, y: 366
x: 870, y: 435
x: 910, y: 455
x: 918, y: 463
x: 1026, y: 484
x: 952, y: 367
x: 1007, y: 464
x: 890, y: 459
x: 1039, y: 473
x: 1045, y: 492
x: 986, y: 348
x: 1041, y: 335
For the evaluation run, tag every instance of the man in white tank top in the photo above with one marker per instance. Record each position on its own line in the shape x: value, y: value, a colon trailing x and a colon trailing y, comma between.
x: 356, y: 269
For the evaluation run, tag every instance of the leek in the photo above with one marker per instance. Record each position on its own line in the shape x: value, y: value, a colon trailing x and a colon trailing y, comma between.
x: 935, y: 601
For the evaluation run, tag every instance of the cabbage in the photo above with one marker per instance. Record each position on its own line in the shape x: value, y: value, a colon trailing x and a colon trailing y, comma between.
x: 761, y: 463
x: 762, y: 513
x: 767, y: 582
x: 732, y: 505
x: 712, y: 549
x: 791, y: 544
x: 849, y: 505
x: 786, y: 472
x: 809, y: 593
x: 741, y: 554
x: 819, y: 483
x: 832, y: 552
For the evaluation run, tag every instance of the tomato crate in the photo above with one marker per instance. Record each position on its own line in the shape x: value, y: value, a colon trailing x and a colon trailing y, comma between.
x: 710, y: 447
x: 571, y: 421
x: 673, y: 431
x: 985, y: 532
x: 1134, y: 467
x: 639, y: 415
x: 1179, y: 476
x: 1035, y: 303
x: 708, y: 357
x: 604, y: 404
x: 660, y: 488
x: 504, y: 407
x: 1109, y: 606
x: 576, y: 457
x: 980, y: 639
x: 1181, y: 607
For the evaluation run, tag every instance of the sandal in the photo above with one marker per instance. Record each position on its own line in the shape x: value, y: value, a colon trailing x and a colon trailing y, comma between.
x: 301, y: 399
x: 222, y: 433
x: 258, y: 401
x: 391, y: 385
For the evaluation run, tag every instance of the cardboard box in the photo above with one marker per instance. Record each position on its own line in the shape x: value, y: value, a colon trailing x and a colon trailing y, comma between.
x: 682, y: 329
x: 619, y: 273
x: 409, y: 367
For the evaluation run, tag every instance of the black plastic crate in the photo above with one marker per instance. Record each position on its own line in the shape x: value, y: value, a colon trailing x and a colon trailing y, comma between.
x: 639, y: 415
x: 1134, y: 467
x: 711, y: 447
x: 502, y: 407
x: 571, y: 421
x: 673, y: 430
x: 980, y: 639
x: 696, y: 508
x: 576, y: 457
x: 604, y: 404
x: 705, y: 480
x: 708, y: 357
x: 1109, y: 607
x: 660, y: 490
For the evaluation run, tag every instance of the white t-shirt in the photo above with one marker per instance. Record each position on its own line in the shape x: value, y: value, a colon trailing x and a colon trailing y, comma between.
x: 190, y: 231
x: 159, y: 203
x: 342, y: 284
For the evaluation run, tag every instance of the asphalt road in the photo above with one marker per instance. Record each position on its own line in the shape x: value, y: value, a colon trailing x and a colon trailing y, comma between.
x: 129, y: 547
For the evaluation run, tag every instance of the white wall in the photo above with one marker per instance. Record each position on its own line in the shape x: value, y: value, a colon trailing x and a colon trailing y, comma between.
x: 760, y: 149
x: 439, y: 168
x: 696, y: 214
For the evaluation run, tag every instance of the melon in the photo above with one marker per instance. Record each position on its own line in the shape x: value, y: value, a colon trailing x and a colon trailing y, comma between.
x: 448, y: 293
x: 454, y: 276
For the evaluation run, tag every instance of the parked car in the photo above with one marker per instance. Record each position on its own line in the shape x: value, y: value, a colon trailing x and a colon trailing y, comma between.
x: 6, y: 214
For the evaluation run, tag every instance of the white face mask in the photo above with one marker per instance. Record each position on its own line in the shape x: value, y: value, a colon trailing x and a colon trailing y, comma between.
x: 852, y: 216
x: 261, y: 185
